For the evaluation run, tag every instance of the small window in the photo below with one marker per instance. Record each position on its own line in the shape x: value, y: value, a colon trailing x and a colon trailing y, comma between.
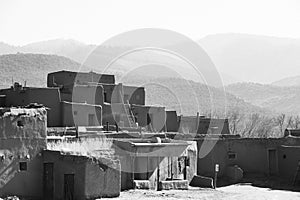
x: 284, y: 156
x: 75, y: 112
x: 231, y: 156
x: 20, y: 123
x: 23, y: 166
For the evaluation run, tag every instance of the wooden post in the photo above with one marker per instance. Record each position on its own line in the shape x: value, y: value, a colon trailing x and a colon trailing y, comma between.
x: 216, y: 175
x: 107, y: 126
x: 158, y: 171
x: 197, y: 122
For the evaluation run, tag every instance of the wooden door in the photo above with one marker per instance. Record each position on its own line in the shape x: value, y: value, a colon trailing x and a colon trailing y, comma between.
x: 69, y: 187
x: 48, y: 181
x: 272, y: 154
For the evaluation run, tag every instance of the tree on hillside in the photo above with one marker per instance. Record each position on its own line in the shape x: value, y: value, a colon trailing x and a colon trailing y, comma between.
x: 235, y: 117
x: 250, y: 125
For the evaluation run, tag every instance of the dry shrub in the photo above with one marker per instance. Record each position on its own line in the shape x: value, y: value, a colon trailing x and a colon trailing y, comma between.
x: 84, y: 146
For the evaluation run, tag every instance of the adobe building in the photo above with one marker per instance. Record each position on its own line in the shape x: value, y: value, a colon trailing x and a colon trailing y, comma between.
x: 203, y: 125
x: 28, y: 170
x: 63, y: 78
x: 249, y: 156
x: 22, y: 138
x: 172, y: 121
x: 152, y: 117
x: 70, y: 176
x: 58, y: 110
x: 19, y: 96
x: 156, y: 163
x: 97, y: 98
x: 82, y: 114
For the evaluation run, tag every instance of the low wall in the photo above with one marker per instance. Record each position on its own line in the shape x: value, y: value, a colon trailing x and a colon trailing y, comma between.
x: 288, y: 160
x: 252, y: 155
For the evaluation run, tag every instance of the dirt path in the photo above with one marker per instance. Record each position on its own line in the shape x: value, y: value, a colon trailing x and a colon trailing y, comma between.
x: 234, y: 192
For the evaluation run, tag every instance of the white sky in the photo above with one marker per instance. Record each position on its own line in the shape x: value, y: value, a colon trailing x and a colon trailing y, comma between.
x: 23, y: 22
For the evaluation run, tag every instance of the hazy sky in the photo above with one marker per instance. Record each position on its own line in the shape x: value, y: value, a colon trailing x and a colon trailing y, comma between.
x: 22, y: 22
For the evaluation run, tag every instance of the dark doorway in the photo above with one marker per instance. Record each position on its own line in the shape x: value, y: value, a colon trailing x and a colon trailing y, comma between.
x: 272, y: 154
x: 91, y: 120
x: 48, y: 182
x: 69, y: 187
x: 105, y: 97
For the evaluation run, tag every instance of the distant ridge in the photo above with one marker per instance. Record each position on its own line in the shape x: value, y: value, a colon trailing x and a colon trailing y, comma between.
x: 287, y: 82
x: 272, y: 97
x: 33, y: 68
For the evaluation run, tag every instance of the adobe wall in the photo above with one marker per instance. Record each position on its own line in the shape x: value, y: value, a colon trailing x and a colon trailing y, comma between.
x: 113, y: 93
x: 251, y: 154
x: 94, y: 177
x: 172, y: 121
x: 103, y: 178
x: 78, y: 114
x: 49, y: 97
x: 85, y: 94
x: 190, y: 124
x: 153, y: 114
x: 288, y: 160
x: 107, y: 115
x: 66, y: 164
x: 218, y: 126
x: 68, y: 78
x: 2, y: 100
x: 135, y: 95
x: 187, y: 124
x: 140, y: 112
x: 22, y: 138
x: 158, y: 118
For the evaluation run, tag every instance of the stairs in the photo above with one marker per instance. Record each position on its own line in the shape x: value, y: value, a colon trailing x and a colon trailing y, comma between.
x: 129, y: 116
x: 296, y: 177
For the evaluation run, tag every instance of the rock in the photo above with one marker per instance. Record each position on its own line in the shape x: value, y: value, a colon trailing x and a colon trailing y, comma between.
x: 202, y: 181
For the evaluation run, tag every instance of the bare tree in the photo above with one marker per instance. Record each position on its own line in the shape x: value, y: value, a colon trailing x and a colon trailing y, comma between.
x: 251, y: 124
x: 295, y: 122
x: 234, y: 117
x: 280, y: 121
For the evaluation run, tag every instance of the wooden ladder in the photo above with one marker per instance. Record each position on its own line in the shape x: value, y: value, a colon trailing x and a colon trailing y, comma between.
x: 296, y: 177
x: 129, y: 115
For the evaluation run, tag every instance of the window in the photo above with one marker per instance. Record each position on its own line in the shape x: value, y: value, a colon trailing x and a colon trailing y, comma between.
x: 284, y: 156
x: 23, y: 166
x: 75, y: 112
x: 20, y: 123
x: 231, y: 156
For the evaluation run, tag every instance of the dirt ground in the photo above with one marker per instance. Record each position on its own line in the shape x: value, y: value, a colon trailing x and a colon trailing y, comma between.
x: 233, y: 192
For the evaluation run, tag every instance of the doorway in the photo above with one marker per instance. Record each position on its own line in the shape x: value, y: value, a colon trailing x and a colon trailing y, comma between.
x: 68, y: 186
x: 272, y: 158
x: 91, y: 120
x: 48, y: 181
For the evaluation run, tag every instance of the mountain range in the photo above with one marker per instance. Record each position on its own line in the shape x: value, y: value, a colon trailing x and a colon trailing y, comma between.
x: 239, y: 57
x: 275, y: 98
x: 187, y: 97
